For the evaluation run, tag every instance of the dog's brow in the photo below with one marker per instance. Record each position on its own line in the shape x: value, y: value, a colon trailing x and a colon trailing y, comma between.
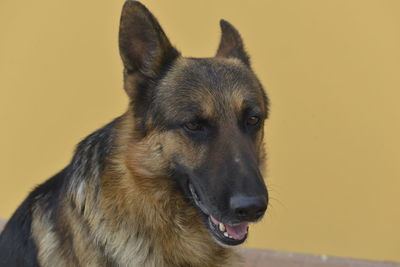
x: 242, y: 100
x: 190, y: 112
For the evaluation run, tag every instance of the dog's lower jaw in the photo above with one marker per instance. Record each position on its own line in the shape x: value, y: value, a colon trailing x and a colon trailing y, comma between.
x: 226, y: 235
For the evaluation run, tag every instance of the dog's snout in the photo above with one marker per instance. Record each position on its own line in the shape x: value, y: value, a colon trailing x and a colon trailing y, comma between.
x: 248, y: 208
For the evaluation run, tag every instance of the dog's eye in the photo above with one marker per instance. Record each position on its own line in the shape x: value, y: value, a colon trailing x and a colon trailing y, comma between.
x: 193, y: 126
x: 253, y: 121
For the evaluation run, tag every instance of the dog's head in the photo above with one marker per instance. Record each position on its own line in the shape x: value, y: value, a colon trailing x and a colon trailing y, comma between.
x: 208, y: 115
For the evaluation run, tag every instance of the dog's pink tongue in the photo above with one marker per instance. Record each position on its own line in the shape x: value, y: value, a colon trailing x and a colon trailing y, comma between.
x: 238, y: 231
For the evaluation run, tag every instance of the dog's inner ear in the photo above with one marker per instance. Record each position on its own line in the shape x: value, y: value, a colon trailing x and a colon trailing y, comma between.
x: 144, y: 47
x: 231, y: 44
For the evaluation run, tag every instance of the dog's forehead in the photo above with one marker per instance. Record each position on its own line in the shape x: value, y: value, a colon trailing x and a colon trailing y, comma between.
x: 218, y: 74
x: 209, y: 83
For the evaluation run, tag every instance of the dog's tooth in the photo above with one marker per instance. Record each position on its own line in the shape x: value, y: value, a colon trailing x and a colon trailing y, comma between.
x: 221, y: 227
x: 226, y: 234
x: 231, y: 237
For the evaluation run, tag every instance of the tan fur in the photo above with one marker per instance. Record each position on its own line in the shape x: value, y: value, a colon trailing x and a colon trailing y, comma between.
x: 46, y: 240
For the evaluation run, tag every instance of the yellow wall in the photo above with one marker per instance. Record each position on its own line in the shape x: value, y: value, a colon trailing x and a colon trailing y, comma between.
x: 331, y: 69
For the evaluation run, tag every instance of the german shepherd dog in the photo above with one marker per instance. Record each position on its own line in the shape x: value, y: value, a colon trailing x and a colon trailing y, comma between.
x: 174, y: 181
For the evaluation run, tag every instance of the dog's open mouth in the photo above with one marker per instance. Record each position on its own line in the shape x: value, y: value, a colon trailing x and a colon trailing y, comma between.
x: 226, y: 234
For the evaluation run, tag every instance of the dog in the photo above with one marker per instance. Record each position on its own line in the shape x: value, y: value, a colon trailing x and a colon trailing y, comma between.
x: 174, y: 181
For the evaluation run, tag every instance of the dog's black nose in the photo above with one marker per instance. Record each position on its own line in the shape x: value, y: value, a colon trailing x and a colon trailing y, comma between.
x: 248, y: 208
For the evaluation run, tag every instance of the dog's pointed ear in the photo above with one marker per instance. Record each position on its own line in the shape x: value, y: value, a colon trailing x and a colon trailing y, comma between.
x: 231, y: 44
x: 143, y: 45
